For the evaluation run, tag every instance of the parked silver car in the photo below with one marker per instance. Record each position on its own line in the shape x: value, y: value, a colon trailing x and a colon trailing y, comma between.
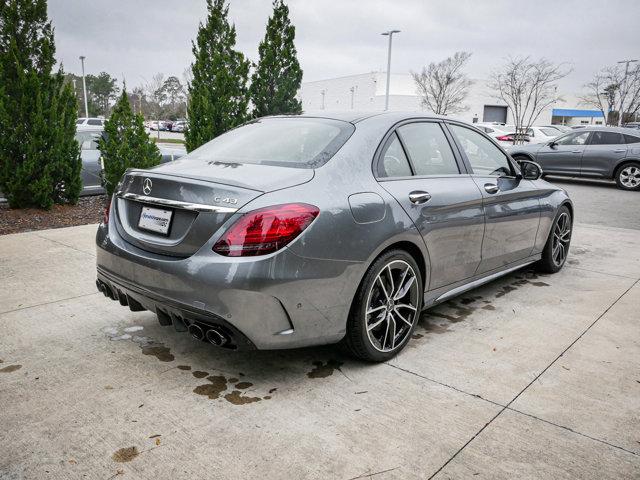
x: 88, y: 138
x: 297, y: 231
x: 596, y: 152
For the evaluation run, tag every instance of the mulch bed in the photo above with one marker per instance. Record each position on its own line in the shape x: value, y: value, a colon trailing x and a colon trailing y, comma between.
x: 88, y: 210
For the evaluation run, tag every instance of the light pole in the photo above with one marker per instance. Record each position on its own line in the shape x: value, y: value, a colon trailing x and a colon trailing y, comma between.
x: 390, y: 35
x: 626, y: 74
x: 84, y: 88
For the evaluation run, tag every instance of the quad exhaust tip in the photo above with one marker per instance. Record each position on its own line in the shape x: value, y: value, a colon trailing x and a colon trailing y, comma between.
x: 196, y: 332
x: 216, y: 337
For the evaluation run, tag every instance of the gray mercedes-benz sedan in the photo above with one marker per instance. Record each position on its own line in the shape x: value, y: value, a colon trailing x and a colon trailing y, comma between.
x: 596, y: 152
x: 304, y: 230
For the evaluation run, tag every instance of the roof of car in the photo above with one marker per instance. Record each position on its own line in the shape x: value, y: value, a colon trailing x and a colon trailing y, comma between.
x: 355, y: 116
x: 607, y: 129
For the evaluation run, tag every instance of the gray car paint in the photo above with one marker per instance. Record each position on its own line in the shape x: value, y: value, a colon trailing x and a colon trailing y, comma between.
x: 301, y: 295
x: 581, y: 160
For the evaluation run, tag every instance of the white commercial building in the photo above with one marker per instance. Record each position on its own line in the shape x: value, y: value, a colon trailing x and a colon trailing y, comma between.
x: 366, y: 92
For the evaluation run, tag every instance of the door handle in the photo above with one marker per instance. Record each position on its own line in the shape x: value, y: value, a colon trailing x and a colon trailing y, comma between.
x: 620, y: 150
x: 418, y: 196
x: 491, y: 188
x: 577, y: 151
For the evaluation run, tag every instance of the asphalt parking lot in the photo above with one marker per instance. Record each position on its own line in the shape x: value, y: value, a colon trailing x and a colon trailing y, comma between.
x: 530, y: 376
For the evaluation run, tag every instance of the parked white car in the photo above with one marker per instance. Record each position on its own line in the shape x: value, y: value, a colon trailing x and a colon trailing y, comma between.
x: 502, y: 133
x: 90, y: 122
x: 539, y: 134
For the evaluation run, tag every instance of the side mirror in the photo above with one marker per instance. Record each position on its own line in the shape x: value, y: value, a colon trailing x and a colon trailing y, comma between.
x: 530, y: 170
x: 553, y: 144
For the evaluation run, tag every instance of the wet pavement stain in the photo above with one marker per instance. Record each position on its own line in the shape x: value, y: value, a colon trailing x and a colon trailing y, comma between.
x: 199, y: 374
x: 125, y: 454
x: 273, y: 390
x: 214, y: 389
x: 417, y: 336
x: 322, y: 370
x: 237, y: 398
x: 430, y: 326
x: 184, y: 367
x: 233, y: 380
x: 146, y: 344
x: 159, y: 351
x: 504, y: 290
x: 10, y: 368
x: 488, y: 307
x: 243, y: 385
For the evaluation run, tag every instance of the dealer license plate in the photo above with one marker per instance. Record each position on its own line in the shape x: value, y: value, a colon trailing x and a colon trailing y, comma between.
x: 155, y: 220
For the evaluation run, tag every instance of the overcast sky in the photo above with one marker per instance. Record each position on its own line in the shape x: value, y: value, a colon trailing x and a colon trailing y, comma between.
x: 138, y: 38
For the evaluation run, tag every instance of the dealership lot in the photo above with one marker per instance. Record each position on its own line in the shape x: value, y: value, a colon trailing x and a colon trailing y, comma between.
x: 531, y: 376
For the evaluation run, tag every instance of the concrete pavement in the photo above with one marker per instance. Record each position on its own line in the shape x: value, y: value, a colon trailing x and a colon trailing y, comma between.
x: 530, y: 376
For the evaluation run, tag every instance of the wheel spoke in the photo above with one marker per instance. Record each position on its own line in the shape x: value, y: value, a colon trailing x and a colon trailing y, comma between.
x: 405, y: 288
x: 384, y: 289
x: 401, y: 317
x: 404, y: 305
x: 393, y: 287
x: 380, y: 319
x: 392, y: 322
x: 386, y: 333
x: 381, y: 307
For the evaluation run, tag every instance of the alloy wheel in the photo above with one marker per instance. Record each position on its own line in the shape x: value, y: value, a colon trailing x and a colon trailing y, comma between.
x: 630, y: 176
x: 392, y: 306
x: 561, y: 239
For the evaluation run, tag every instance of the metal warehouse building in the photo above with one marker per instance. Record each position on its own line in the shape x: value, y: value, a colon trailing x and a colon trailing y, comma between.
x: 366, y: 92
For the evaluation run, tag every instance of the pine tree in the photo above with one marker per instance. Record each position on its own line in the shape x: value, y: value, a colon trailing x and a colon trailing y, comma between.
x: 218, y: 91
x: 125, y: 144
x: 39, y: 156
x: 277, y: 77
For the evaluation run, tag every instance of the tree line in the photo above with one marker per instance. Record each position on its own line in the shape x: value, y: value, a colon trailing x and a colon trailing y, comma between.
x: 528, y: 87
x: 40, y: 160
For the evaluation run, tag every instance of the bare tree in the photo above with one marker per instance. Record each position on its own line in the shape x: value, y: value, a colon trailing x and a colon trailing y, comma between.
x: 155, y: 95
x: 443, y: 86
x: 527, y: 87
x: 615, y: 91
x: 602, y: 93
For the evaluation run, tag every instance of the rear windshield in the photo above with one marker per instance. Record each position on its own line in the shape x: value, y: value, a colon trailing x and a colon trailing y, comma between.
x: 298, y: 142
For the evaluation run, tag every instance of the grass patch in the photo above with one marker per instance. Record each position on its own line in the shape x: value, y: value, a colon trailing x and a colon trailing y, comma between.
x: 168, y: 140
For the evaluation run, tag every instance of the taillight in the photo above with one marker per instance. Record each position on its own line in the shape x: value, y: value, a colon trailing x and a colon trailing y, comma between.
x: 505, y: 138
x: 105, y: 216
x: 266, y: 230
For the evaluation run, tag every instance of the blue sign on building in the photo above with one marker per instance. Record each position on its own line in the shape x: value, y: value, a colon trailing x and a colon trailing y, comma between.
x: 572, y: 112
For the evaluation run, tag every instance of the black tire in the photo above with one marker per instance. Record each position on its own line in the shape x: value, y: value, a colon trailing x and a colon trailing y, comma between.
x: 622, y: 176
x: 358, y: 339
x: 549, y: 262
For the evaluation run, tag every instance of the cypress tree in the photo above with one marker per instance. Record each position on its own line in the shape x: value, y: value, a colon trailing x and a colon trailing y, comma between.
x: 39, y: 156
x: 218, y: 91
x: 277, y: 77
x: 125, y: 144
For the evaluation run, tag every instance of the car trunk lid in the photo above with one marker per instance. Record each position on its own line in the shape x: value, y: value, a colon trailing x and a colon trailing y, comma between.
x: 194, y: 199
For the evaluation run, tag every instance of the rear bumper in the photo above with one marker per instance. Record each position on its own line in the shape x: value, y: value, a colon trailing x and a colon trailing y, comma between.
x: 277, y: 301
x: 180, y: 315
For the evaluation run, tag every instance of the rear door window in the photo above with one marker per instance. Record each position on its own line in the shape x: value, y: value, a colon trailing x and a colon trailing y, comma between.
x: 485, y: 158
x: 428, y: 148
x: 631, y: 139
x: 393, y: 161
x: 606, y: 138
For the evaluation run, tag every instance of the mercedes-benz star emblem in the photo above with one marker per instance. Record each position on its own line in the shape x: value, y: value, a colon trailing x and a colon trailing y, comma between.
x: 147, y: 185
